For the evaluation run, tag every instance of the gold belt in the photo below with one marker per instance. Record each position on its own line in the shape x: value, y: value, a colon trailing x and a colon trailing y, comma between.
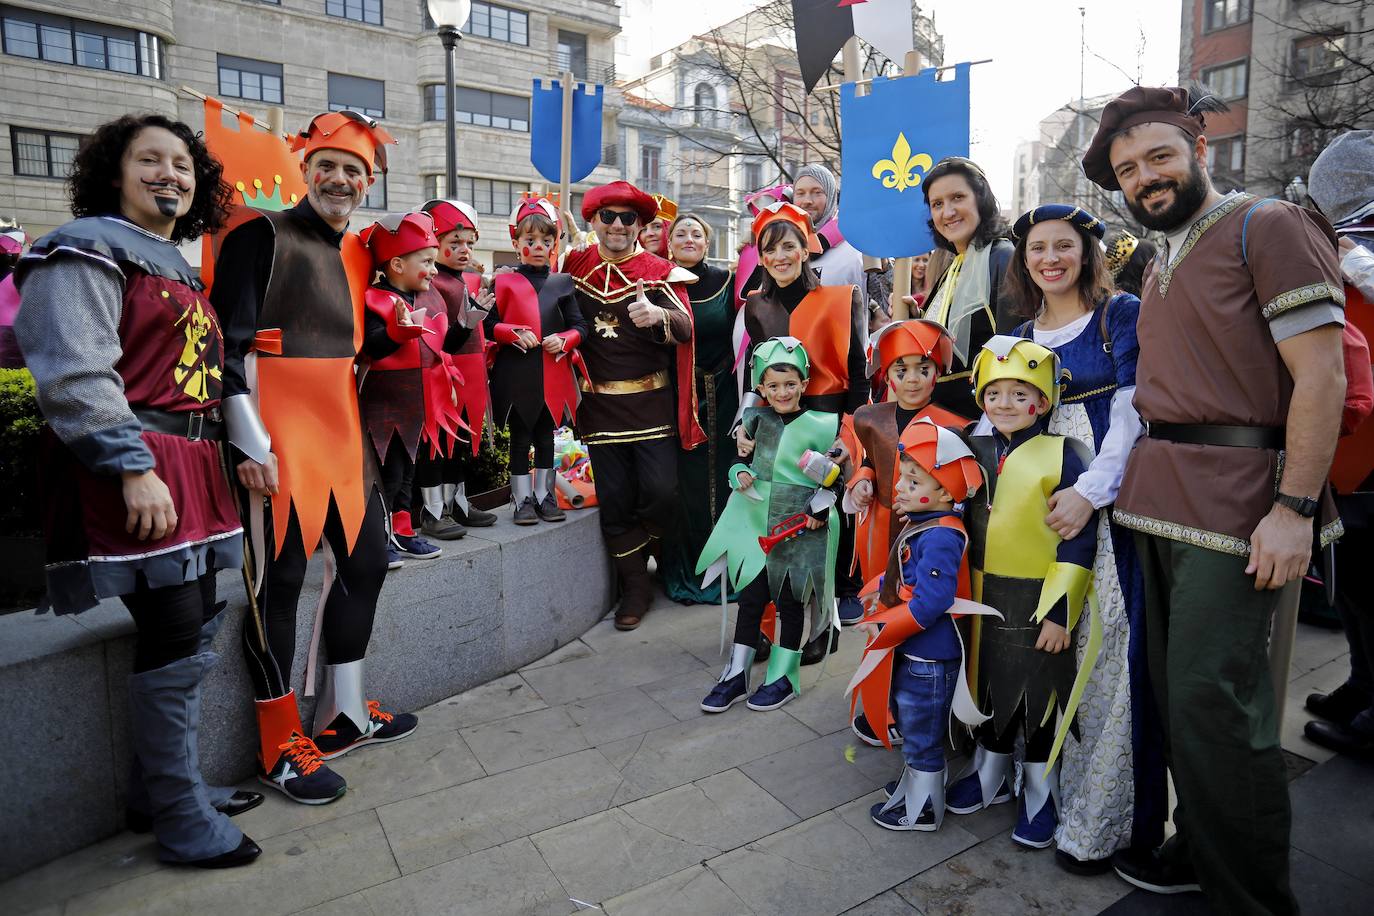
x: 651, y: 382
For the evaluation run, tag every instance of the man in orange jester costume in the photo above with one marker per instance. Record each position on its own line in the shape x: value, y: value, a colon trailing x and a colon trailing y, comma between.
x: 290, y: 289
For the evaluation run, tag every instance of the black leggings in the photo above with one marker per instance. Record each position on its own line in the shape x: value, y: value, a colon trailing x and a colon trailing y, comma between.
x: 522, y: 437
x: 397, y: 476
x: 169, y: 620
x: 347, y: 625
x: 1038, y: 742
x: 752, y: 601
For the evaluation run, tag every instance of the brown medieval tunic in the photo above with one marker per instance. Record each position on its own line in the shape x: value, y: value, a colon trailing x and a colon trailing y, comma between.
x: 1209, y: 322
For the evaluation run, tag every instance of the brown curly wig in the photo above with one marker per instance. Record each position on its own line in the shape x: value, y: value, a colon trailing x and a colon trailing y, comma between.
x: 96, y: 168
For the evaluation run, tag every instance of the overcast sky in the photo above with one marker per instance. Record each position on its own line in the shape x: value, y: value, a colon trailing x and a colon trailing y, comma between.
x: 1035, y: 51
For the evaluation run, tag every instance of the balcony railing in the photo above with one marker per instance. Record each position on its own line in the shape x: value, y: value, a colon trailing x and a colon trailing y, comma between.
x: 655, y: 186
x: 610, y: 154
x: 582, y: 67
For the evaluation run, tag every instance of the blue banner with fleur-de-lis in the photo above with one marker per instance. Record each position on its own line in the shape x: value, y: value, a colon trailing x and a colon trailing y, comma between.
x: 890, y: 139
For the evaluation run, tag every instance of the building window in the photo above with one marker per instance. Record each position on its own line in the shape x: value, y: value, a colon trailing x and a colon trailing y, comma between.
x: 1222, y: 14
x: 361, y: 95
x: 704, y: 99
x: 1316, y: 54
x: 1305, y: 141
x: 369, y: 11
x: 95, y: 46
x: 43, y: 154
x: 480, y: 108
x: 376, y: 195
x: 753, y: 177
x: 1229, y: 80
x: 244, y: 78
x: 488, y: 20
x: 488, y: 196
x: 571, y: 55
x: 1226, y: 155
x: 649, y: 159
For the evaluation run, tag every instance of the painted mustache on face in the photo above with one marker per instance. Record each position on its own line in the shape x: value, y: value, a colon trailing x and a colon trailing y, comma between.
x: 166, y: 205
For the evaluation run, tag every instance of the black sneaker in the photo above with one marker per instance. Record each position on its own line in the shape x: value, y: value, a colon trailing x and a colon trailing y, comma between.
x: 1341, y: 705
x: 1147, y: 870
x: 474, y: 517
x: 547, y: 509
x: 415, y: 547
x: 814, y: 651
x: 445, y: 529
x: 865, y: 733
x: 301, y: 775
x: 525, y: 513
x: 343, y: 736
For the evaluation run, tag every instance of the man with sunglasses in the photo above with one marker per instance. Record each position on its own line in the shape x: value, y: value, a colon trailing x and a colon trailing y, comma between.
x: 638, y: 402
x: 289, y: 288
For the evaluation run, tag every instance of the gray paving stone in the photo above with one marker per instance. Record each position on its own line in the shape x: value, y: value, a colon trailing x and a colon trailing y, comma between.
x: 597, y: 674
x: 610, y: 853
x: 1332, y: 812
x: 499, y: 699
x: 524, y: 739
x: 1319, y: 680
x: 822, y: 707
x: 999, y: 877
x: 886, y: 904
x: 1315, y: 647
x: 618, y: 715
x: 678, y: 754
x: 1324, y: 888
x: 100, y: 865
x: 832, y: 862
x: 354, y: 904
x: 506, y: 880
x: 487, y: 812
x: 296, y: 870
x: 681, y: 694
x: 429, y: 759
x: 694, y: 891
x: 816, y: 776
x: 575, y: 649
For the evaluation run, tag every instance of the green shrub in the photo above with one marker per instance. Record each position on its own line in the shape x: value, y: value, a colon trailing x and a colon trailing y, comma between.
x: 20, y: 423
x: 491, y: 467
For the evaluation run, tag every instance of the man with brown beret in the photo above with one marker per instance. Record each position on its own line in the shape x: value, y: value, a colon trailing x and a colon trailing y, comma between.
x: 639, y: 398
x: 1240, y: 380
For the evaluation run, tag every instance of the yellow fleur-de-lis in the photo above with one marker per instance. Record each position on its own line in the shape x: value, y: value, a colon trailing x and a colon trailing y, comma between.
x: 903, y: 170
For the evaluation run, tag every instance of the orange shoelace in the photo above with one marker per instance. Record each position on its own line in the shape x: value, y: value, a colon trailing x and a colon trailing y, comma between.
x: 374, y: 711
x: 302, y: 752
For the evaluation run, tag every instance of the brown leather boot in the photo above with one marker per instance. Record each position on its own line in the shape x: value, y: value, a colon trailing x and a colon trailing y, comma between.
x: 636, y: 589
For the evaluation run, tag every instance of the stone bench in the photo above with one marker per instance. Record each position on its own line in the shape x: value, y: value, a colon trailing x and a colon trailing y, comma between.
x: 495, y: 601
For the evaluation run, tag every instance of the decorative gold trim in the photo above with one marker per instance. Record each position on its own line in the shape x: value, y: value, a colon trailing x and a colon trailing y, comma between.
x: 1302, y: 296
x: 1331, y: 531
x: 1166, y: 272
x: 613, y: 438
x: 1088, y: 394
x: 651, y: 382
x: 631, y: 550
x: 1197, y: 537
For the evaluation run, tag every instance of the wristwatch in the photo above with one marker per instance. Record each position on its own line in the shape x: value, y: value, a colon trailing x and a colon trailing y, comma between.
x: 1302, y: 505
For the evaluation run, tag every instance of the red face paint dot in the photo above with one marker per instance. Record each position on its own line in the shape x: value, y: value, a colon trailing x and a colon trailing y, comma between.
x: 925, y: 499
x: 1032, y: 410
x: 525, y: 251
x: 448, y: 252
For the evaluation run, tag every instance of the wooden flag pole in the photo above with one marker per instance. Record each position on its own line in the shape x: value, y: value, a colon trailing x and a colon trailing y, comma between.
x: 565, y: 153
x: 901, y: 268
x: 852, y: 74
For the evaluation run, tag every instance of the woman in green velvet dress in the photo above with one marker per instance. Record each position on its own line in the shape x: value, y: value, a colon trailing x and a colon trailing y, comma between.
x: 702, y: 488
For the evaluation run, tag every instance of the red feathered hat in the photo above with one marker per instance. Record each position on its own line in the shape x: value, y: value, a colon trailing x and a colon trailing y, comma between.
x: 348, y: 131
x: 788, y: 213
x: 943, y: 455
x: 397, y: 235
x: 619, y: 194
x: 912, y: 337
x: 449, y: 215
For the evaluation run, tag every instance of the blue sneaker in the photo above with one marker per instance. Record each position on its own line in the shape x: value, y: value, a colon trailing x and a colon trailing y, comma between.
x: 851, y: 611
x: 416, y: 547
x: 394, y: 558
x: 895, y: 818
x: 771, y: 696
x: 1039, y: 794
x: 727, y: 693
x: 967, y: 794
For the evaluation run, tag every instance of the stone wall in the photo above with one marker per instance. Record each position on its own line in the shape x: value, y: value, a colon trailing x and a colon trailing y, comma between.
x: 495, y: 601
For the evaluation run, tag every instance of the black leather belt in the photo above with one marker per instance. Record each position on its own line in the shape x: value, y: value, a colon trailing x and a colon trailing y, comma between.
x: 1215, y: 434
x: 193, y: 425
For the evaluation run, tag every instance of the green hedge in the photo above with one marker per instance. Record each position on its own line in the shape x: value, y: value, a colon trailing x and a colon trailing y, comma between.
x: 20, y: 423
x: 491, y: 467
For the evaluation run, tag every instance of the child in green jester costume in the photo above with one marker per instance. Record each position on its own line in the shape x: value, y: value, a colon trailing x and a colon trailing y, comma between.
x: 1038, y: 582
x: 778, y: 537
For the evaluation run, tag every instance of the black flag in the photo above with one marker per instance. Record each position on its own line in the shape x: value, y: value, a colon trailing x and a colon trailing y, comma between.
x: 822, y: 27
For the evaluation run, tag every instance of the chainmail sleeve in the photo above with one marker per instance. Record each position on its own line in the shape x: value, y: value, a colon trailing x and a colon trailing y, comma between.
x: 68, y: 328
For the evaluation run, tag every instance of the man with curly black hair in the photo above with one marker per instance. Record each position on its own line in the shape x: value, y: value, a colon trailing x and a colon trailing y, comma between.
x: 127, y: 356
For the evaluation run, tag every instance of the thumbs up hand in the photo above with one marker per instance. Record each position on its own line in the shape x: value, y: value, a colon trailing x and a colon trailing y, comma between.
x: 643, y: 313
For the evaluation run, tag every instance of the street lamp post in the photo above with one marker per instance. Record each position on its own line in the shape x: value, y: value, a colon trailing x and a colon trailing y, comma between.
x: 450, y: 16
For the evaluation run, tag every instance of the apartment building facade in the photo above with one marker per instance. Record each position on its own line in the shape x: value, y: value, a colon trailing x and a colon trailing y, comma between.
x: 71, y: 65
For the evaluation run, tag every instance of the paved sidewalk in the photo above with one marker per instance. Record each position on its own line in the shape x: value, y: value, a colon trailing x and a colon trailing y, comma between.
x: 591, y: 779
